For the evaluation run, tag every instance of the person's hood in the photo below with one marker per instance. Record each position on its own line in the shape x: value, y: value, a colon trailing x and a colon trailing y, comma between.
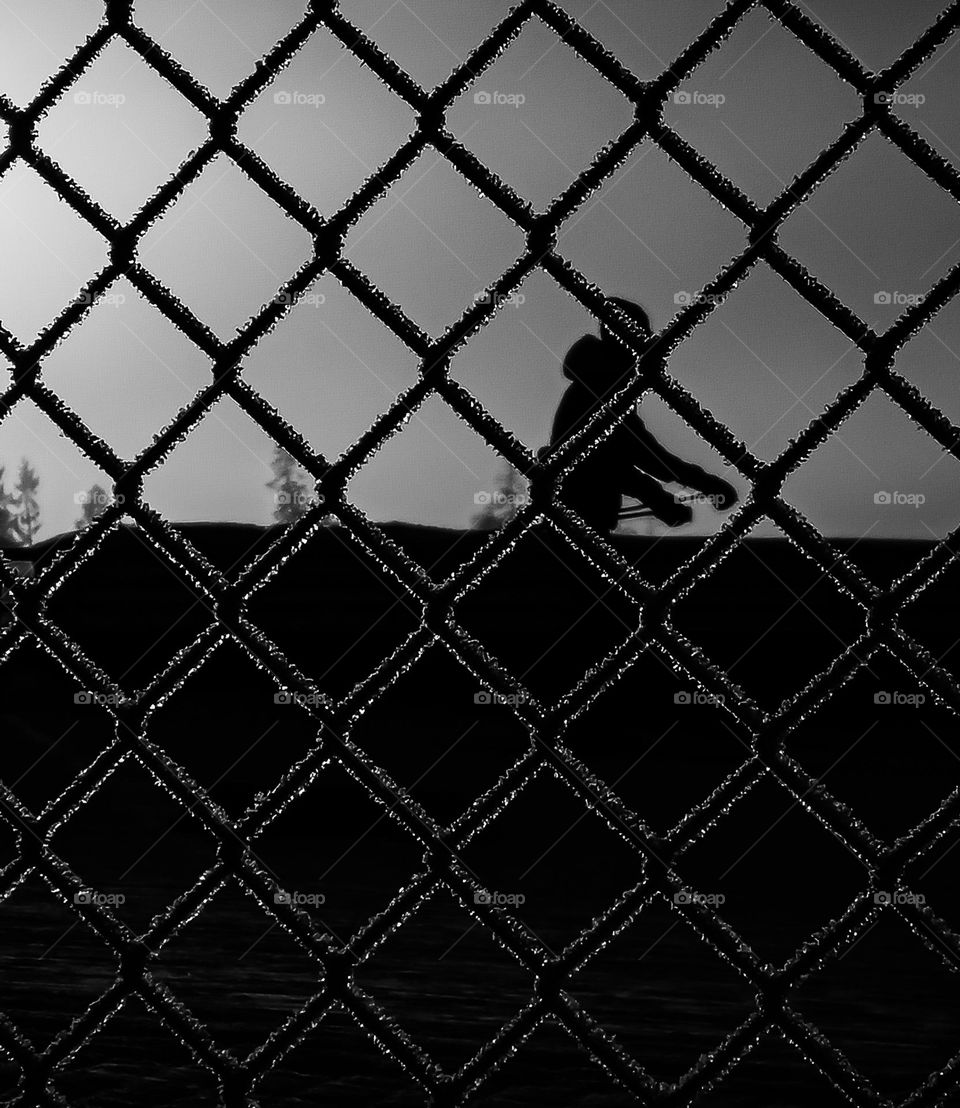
x: 596, y: 365
x: 581, y: 360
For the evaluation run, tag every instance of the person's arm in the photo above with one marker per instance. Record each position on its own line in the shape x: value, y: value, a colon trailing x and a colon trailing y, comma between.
x: 654, y: 496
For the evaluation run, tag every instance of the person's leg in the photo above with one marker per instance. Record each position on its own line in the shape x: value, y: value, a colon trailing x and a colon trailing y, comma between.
x: 592, y: 492
x: 646, y: 452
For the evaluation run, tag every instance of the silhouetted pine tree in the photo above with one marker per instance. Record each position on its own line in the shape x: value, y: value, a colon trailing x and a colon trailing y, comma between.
x: 504, y: 503
x: 291, y: 487
x: 9, y: 534
x: 28, y: 507
x: 94, y: 504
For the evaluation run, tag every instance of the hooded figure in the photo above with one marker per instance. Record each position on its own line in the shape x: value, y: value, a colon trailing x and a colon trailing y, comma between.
x: 629, y: 461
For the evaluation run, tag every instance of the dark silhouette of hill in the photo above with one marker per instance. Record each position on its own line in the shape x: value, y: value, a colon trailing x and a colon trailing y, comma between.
x: 766, y: 615
x: 544, y: 611
x: 880, y: 745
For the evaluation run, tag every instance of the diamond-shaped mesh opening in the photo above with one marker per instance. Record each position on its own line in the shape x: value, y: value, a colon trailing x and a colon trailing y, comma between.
x: 218, y: 41
x: 724, y: 623
x: 739, y: 616
x: 513, y: 366
x: 52, y: 730
x: 722, y: 107
x: 659, y: 226
x: 427, y: 40
x: 432, y: 244
x: 896, y: 478
x: 643, y: 38
x: 556, y: 894
x: 124, y: 347
x: 27, y: 432
x: 35, y: 38
x: 452, y: 462
x: 659, y: 742
x: 51, y: 271
x: 858, y: 1002
x: 131, y: 1043
x: 921, y: 101
x: 225, y: 459
x: 337, y: 1055
x: 224, y: 247
x: 308, y: 116
x: 366, y: 624
x: 933, y: 876
x: 9, y: 1076
x: 163, y: 854
x: 449, y: 956
x: 440, y: 735
x: 922, y: 619
x: 875, y: 46
x: 44, y: 947
x: 554, y: 614
x: 630, y: 988
x: 770, y: 1067
x: 225, y: 965
x: 259, y: 734
x: 791, y: 373
x: 774, y: 907
x: 926, y: 361
x: 538, y: 134
x: 882, y: 746
x: 334, y: 844
x: 550, y: 1065
x: 875, y: 260
x: 121, y: 130
x: 131, y: 644
x: 329, y: 369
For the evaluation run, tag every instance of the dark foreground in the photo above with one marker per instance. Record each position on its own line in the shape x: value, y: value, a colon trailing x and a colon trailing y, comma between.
x: 881, y: 745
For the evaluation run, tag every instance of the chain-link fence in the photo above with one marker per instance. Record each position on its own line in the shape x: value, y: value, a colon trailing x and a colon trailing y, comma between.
x: 226, y: 598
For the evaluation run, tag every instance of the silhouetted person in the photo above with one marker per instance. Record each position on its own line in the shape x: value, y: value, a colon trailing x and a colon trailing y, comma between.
x: 629, y: 461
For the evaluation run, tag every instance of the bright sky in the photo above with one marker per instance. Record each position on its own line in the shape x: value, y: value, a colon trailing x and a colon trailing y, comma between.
x: 765, y: 363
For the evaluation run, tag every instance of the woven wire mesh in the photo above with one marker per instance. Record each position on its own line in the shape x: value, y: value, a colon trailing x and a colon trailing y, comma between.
x: 236, y: 838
